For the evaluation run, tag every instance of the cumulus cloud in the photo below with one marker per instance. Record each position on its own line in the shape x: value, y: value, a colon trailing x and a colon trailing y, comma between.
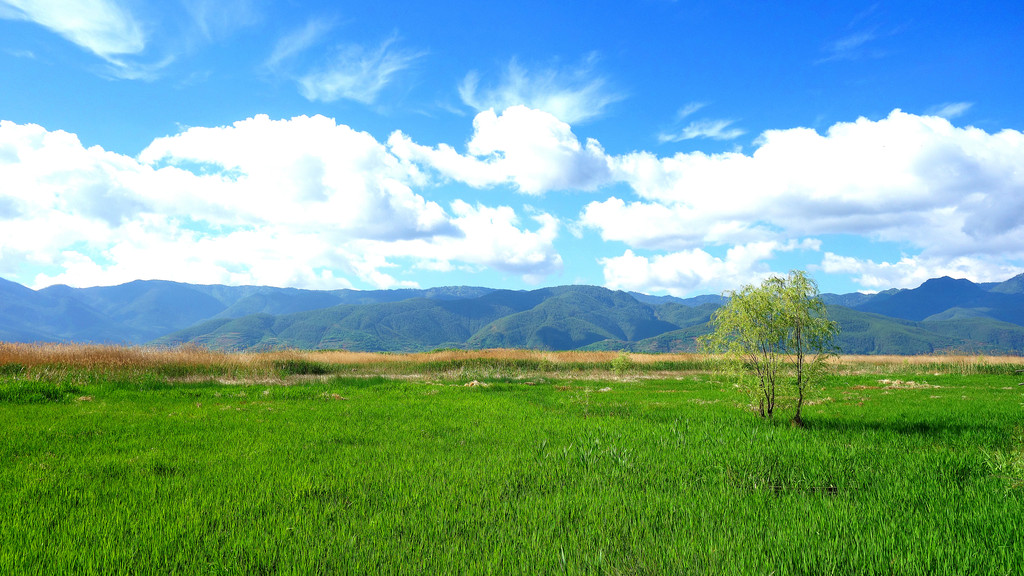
x: 572, y: 95
x: 489, y: 237
x: 904, y: 178
x: 912, y: 271
x: 657, y: 226
x: 529, y: 148
x: 298, y: 202
x: 357, y: 73
x: 951, y: 195
x: 307, y: 170
x: 155, y: 247
x: 310, y: 202
x: 680, y: 273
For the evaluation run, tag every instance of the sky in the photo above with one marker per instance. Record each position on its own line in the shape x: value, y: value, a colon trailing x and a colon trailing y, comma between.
x: 666, y: 147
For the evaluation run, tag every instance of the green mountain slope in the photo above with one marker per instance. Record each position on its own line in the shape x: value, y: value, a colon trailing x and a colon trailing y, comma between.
x: 940, y: 315
x: 572, y: 317
x: 408, y: 325
x: 33, y: 316
x: 576, y: 317
x: 1014, y: 285
x: 980, y: 335
x: 551, y: 318
x: 1004, y: 301
x: 864, y: 333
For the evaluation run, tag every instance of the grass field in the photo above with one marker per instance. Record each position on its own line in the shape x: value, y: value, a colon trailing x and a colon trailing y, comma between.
x: 190, y: 462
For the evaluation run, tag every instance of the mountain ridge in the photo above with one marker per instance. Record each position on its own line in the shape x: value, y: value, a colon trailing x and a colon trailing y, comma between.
x: 941, y: 314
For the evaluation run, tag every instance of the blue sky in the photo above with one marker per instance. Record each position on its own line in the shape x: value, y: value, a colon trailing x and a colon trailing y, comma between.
x: 658, y: 146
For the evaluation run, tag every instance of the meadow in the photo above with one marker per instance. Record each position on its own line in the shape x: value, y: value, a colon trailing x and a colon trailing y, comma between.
x: 185, y: 461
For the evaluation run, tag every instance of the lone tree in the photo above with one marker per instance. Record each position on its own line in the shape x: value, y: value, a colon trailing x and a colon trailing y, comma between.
x: 777, y: 334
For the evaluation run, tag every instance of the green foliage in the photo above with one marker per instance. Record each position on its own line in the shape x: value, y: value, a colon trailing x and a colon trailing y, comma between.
x: 299, y: 366
x: 777, y: 334
x: 1008, y: 463
x: 187, y: 370
x: 11, y: 369
x: 35, y: 391
x: 621, y: 363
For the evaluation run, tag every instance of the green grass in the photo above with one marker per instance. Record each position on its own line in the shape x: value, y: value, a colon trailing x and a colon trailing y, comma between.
x: 142, y: 472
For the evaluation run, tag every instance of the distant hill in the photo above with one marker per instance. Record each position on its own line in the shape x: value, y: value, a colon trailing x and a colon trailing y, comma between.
x: 848, y: 300
x: 716, y: 299
x: 143, y: 310
x: 147, y: 309
x: 1004, y: 302
x: 942, y: 314
x: 571, y: 317
x: 30, y: 316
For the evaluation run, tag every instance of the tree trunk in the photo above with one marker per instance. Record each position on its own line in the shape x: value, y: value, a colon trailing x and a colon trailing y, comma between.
x: 797, y: 420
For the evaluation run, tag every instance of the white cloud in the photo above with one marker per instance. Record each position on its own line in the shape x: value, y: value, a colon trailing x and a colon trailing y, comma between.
x: 713, y: 129
x: 689, y: 110
x: 919, y: 180
x: 299, y: 202
x: 304, y: 171
x: 493, y: 238
x: 529, y: 148
x: 311, y: 202
x: 571, y: 95
x: 950, y: 110
x: 61, y: 190
x: 155, y: 248
x: 356, y: 73
x: 912, y: 271
x: 22, y: 54
x: 680, y: 273
x: 659, y: 226
x: 852, y: 47
x: 851, y: 42
x: 489, y: 237
x: 951, y: 196
x: 102, y: 27
x: 215, y: 18
x: 298, y: 42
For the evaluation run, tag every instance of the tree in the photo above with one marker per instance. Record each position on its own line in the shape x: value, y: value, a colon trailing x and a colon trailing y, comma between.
x: 774, y: 334
x: 810, y: 335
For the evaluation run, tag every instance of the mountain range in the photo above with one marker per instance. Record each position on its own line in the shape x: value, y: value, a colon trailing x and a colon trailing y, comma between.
x: 943, y: 314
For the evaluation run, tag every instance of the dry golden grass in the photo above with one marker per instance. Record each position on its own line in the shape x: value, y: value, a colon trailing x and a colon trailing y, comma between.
x: 98, y: 356
x: 140, y: 357
x: 926, y: 359
x: 956, y: 363
x: 498, y: 354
